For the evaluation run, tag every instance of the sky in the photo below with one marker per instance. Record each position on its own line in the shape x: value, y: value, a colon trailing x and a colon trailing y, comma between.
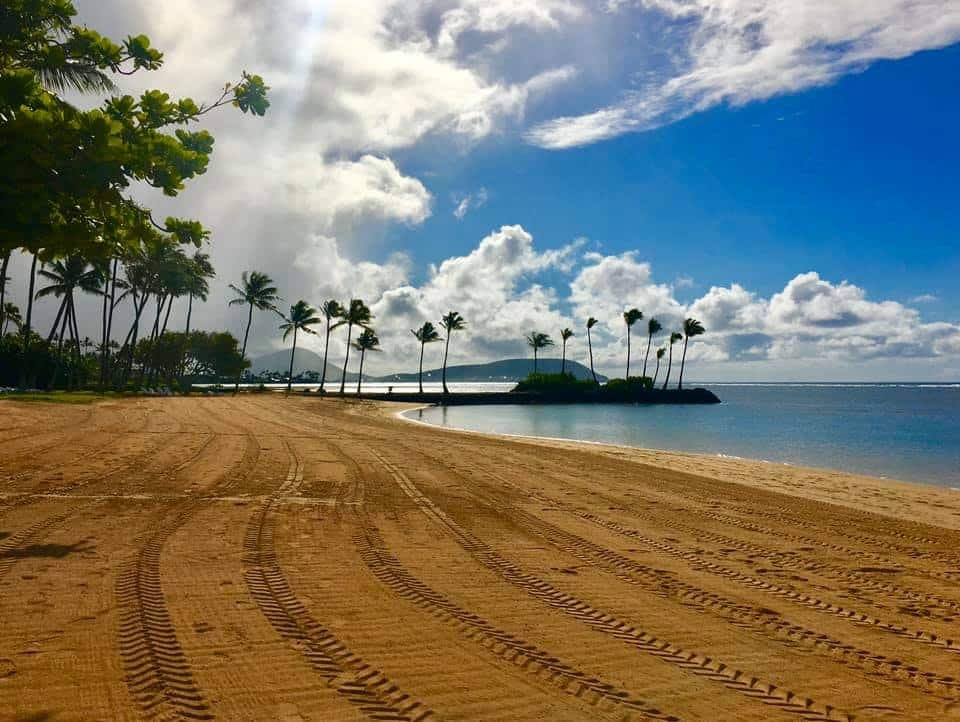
x: 785, y: 172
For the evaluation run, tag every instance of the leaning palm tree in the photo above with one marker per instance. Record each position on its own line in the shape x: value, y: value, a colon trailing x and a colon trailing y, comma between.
x: 565, y: 335
x: 331, y: 310
x: 358, y: 314
x: 453, y: 321
x: 425, y: 334
x: 691, y: 327
x: 660, y: 354
x: 653, y: 328
x: 537, y: 341
x: 302, y: 317
x: 11, y: 314
x: 256, y: 290
x: 630, y: 317
x: 591, y: 322
x: 674, y: 337
x: 198, y: 270
x: 366, y: 341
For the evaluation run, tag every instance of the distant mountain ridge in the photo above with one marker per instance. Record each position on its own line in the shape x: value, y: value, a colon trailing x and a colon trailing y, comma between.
x: 505, y: 370
x: 512, y: 369
x: 304, y: 360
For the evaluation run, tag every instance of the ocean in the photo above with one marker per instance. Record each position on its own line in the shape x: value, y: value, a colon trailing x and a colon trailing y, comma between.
x: 899, y: 431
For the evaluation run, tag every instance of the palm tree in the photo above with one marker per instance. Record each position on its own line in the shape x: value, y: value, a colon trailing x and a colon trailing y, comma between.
x: 330, y: 309
x: 366, y: 341
x: 453, y: 321
x: 302, y: 317
x: 256, y: 290
x: 357, y: 315
x: 199, y: 270
x: 66, y: 276
x: 674, y: 337
x: 425, y: 334
x: 653, y: 328
x: 591, y: 322
x: 660, y: 353
x: 691, y: 327
x: 536, y: 341
x: 10, y: 313
x: 565, y: 335
x: 630, y: 317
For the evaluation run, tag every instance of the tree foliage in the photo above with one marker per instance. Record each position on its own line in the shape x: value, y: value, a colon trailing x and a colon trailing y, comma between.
x: 68, y: 171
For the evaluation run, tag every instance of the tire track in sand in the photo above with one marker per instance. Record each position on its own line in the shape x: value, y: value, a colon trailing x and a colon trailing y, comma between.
x: 366, y: 688
x: 696, y: 562
x: 158, y: 674
x: 689, y: 661
x: 508, y: 647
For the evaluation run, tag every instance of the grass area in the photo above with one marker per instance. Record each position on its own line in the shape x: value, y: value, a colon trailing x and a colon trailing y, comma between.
x: 58, y: 397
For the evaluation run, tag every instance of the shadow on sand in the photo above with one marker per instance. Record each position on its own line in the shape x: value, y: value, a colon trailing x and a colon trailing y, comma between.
x: 49, y: 551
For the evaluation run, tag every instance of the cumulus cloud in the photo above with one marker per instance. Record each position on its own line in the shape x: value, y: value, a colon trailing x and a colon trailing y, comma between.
x: 343, y: 194
x: 495, y: 287
x: 498, y: 288
x: 738, y: 51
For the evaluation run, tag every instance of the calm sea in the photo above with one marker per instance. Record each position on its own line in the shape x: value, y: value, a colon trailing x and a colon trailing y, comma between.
x: 901, y: 431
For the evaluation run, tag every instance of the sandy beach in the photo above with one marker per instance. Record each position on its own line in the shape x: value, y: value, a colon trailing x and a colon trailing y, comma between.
x: 271, y: 558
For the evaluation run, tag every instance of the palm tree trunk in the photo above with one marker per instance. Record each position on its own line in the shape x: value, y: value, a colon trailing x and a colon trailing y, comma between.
x: 25, y: 329
x: 683, y: 360
x: 126, y: 348
x: 186, y: 330
x: 628, y: 353
x: 166, y: 317
x: 75, y: 332
x: 590, y: 346
x: 363, y: 352
x: 446, y: 350
x: 326, y: 349
x: 243, y: 351
x: 130, y: 344
x: 186, y: 337
x: 3, y: 288
x: 563, y: 362
x: 343, y: 375
x: 647, y: 357
x: 108, y: 332
x: 103, y: 328
x: 56, y: 368
x: 292, y: 354
x: 154, y: 331
x: 422, y: 344
x: 656, y: 373
x: 669, y: 366
x: 56, y: 321
x: 534, y: 360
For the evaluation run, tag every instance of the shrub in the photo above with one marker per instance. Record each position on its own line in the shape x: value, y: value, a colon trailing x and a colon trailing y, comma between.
x: 556, y: 383
x: 634, y: 383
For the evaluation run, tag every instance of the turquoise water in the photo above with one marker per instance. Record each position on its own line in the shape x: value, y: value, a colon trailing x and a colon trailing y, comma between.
x: 902, y: 431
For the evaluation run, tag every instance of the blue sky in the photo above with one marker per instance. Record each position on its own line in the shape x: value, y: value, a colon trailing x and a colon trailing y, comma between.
x: 786, y: 172
x: 858, y: 180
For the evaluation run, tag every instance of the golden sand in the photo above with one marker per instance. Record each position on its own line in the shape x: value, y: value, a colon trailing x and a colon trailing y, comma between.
x: 271, y: 558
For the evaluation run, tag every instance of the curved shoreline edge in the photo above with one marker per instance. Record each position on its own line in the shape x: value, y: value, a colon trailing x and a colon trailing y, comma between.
x: 897, y: 498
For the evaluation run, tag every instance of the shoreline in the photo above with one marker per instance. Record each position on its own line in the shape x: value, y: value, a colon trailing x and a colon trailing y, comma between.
x: 926, y: 502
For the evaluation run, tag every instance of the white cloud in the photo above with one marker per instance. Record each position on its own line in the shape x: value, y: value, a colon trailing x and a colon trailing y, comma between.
x: 469, y: 201
x: 738, y: 51
x: 924, y: 298
x: 344, y: 194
